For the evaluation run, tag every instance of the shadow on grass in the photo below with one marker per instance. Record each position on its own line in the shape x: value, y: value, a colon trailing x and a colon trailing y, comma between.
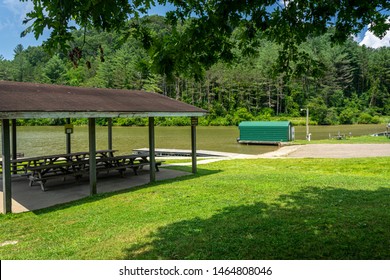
x: 99, y: 196
x: 314, y: 223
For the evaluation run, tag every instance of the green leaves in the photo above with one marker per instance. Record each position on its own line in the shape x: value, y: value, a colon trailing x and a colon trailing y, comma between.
x: 203, y: 31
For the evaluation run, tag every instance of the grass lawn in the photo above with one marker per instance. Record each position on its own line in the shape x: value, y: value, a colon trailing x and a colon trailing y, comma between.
x: 237, y: 209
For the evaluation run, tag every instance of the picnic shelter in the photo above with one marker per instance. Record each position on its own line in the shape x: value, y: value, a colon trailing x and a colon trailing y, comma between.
x: 19, y: 100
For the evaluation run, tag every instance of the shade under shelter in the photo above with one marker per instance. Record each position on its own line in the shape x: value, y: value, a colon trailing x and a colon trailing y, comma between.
x: 30, y: 100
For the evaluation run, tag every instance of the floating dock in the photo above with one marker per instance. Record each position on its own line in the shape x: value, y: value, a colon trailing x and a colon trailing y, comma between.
x: 271, y: 143
x: 381, y: 134
x: 179, y: 153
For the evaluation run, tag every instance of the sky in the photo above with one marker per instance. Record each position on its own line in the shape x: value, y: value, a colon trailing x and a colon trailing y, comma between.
x: 370, y: 40
x: 12, y: 14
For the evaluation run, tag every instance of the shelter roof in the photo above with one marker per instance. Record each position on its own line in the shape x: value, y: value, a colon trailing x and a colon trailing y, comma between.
x: 264, y: 124
x: 31, y: 100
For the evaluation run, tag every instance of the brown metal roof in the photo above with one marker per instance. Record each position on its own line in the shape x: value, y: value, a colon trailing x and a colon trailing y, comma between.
x: 30, y: 100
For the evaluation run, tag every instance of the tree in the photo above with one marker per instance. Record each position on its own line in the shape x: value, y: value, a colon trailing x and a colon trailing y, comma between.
x: 20, y: 64
x: 4, y: 69
x: 379, y: 78
x: 54, y: 70
x: 340, y: 83
x: 207, y: 33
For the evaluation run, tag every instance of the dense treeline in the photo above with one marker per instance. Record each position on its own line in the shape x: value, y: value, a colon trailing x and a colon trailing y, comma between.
x: 340, y: 84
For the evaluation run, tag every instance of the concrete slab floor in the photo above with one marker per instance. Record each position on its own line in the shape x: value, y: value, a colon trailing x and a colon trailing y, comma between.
x: 25, y: 198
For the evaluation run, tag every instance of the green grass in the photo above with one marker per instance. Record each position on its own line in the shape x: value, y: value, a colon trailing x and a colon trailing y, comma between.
x: 241, y: 209
x: 177, y: 160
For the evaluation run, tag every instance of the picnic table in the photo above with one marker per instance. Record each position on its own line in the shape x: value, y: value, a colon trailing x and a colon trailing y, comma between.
x: 40, y: 169
x: 24, y: 164
x: 338, y: 136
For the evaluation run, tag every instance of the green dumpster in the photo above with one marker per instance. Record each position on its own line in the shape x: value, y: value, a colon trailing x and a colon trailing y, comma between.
x: 265, y: 132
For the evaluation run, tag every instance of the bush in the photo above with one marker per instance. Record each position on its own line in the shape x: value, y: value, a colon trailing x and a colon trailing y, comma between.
x: 40, y: 122
x: 364, y: 118
x: 240, y: 115
x: 265, y: 114
x: 331, y: 117
x: 219, y: 121
x: 82, y: 121
x: 130, y: 121
x: 203, y: 121
x: 318, y: 111
x: 376, y: 120
x: 348, y: 116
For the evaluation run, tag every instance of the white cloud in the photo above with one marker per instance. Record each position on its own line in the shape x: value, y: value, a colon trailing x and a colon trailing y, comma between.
x: 372, y: 41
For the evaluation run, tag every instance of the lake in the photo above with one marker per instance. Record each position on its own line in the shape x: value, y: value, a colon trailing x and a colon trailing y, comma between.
x: 44, y: 140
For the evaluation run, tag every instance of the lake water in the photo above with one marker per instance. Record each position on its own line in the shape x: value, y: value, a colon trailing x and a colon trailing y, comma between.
x: 44, y: 140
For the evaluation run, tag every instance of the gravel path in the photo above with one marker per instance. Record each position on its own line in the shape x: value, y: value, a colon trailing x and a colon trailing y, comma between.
x: 308, y: 151
x: 330, y: 151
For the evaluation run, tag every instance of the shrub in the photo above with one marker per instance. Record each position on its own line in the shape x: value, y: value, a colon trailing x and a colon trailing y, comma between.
x: 219, y: 121
x: 364, y: 118
x: 130, y: 121
x: 331, y: 117
x: 376, y: 120
x: 348, y: 116
x: 265, y: 114
x: 240, y: 115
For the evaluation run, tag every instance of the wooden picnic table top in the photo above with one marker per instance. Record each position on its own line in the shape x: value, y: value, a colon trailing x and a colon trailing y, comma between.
x: 41, y: 168
x: 121, y: 157
x: 26, y: 159
x: 63, y: 166
x: 65, y: 156
x: 51, y: 161
x: 49, y: 166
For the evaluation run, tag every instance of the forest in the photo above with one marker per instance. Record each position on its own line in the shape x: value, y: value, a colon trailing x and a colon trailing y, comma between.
x: 339, y: 83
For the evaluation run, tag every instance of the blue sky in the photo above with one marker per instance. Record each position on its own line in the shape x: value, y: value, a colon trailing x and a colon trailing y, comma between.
x: 12, y: 13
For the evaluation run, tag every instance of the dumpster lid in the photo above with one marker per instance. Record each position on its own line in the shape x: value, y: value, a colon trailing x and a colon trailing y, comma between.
x: 265, y: 123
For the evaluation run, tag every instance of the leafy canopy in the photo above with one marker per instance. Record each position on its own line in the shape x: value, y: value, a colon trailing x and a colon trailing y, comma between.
x: 210, y: 29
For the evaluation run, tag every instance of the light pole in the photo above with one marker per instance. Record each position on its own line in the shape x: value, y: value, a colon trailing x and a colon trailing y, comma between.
x: 307, y: 124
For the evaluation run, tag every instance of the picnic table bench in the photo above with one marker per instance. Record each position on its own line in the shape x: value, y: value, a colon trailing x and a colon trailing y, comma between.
x: 120, y: 163
x: 40, y: 169
x: 338, y: 136
x: 24, y: 164
x: 40, y: 174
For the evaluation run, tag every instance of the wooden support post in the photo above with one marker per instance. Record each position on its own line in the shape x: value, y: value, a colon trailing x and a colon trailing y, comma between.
x: 14, y: 148
x: 92, y: 155
x: 194, y: 123
x: 152, y: 158
x: 68, y: 139
x: 6, y: 151
x: 109, y: 128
